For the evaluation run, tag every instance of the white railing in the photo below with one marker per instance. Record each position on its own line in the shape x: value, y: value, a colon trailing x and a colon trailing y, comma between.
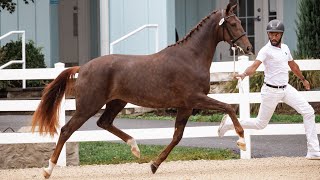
x: 23, y: 58
x: 136, y: 31
x: 244, y: 98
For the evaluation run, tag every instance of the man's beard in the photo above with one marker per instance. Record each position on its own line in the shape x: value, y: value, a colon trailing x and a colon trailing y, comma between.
x: 275, y: 42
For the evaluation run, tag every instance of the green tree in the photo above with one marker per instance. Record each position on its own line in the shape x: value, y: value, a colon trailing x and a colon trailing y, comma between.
x: 308, y: 35
x: 308, y: 30
x: 11, y: 6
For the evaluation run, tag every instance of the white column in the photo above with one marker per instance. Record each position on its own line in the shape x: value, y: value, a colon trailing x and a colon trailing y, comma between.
x: 104, y: 27
x: 244, y: 106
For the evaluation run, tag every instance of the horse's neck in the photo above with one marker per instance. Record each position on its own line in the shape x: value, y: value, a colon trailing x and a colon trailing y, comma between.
x: 203, y: 41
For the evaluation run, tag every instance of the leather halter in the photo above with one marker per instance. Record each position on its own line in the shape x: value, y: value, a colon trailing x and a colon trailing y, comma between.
x: 223, y: 22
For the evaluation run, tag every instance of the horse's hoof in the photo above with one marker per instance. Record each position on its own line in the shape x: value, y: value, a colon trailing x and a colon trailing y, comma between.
x: 153, y: 167
x: 241, y: 144
x: 45, y: 174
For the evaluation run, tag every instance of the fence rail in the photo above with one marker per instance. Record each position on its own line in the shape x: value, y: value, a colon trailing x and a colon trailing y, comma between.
x: 244, y: 98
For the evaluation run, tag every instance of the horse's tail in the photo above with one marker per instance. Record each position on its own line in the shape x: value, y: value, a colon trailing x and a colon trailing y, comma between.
x: 47, y: 113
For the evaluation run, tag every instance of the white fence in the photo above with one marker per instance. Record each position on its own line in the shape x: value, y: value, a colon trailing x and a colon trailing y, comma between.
x: 244, y: 98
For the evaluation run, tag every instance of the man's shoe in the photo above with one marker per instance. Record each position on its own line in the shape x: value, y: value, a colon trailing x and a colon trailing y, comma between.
x: 313, y: 156
x: 223, y: 127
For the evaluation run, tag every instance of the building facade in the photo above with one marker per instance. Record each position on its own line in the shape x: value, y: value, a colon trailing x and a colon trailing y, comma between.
x: 76, y: 31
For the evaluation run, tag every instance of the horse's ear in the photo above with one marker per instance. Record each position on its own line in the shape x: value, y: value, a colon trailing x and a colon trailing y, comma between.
x: 230, y: 8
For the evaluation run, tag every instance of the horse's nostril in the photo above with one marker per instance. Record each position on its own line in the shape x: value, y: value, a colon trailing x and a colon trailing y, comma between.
x: 249, y: 50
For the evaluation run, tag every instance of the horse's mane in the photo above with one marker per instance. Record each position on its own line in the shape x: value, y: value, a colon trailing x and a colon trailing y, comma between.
x: 194, y: 29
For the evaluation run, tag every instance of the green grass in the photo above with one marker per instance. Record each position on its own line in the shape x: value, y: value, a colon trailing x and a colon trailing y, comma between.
x: 294, y: 118
x: 119, y: 153
x: 276, y: 118
x: 149, y: 116
x: 195, y: 118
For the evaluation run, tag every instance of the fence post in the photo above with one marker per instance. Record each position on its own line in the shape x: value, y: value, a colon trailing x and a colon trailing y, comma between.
x: 244, y: 106
x: 62, y: 161
x: 24, y: 63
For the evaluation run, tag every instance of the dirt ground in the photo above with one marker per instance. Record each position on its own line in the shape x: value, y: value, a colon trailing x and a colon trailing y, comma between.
x: 262, y: 168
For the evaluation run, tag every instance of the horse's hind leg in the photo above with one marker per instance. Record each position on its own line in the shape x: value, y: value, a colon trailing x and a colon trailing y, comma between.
x: 181, y: 121
x: 106, y: 122
x: 66, y: 131
x: 84, y: 110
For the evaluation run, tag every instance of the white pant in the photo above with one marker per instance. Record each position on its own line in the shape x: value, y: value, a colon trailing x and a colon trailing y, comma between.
x: 271, y: 97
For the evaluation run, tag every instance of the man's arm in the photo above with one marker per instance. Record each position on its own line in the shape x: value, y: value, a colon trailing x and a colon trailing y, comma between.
x: 296, y: 70
x: 250, y: 70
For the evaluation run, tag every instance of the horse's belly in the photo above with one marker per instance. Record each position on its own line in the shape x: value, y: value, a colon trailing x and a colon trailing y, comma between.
x: 156, y: 102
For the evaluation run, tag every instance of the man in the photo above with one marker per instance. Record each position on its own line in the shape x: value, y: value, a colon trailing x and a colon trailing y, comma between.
x: 276, y: 57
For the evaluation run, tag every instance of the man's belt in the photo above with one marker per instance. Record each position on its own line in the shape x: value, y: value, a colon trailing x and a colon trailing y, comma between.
x: 277, y: 87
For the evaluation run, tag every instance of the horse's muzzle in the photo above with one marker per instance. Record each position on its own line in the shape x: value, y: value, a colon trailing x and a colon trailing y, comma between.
x: 250, y: 53
x: 249, y: 50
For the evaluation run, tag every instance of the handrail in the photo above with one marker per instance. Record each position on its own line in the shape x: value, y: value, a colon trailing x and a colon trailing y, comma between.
x: 156, y: 26
x: 23, y: 60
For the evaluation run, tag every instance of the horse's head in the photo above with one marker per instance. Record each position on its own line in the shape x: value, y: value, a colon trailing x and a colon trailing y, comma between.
x: 233, y: 32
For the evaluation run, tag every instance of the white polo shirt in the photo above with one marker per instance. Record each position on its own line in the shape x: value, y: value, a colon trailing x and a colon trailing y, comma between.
x: 276, y: 65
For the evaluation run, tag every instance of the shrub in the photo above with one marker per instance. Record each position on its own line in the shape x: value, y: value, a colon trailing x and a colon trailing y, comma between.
x: 34, y: 59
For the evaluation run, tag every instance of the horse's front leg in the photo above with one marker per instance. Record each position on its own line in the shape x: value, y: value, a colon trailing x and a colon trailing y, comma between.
x: 181, y: 121
x: 204, y: 102
x: 106, y: 122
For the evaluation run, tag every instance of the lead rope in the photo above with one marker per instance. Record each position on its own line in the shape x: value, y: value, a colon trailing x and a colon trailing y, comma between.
x: 234, y: 60
x: 239, y: 85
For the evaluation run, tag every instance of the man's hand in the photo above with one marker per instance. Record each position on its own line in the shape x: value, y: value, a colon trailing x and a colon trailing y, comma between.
x: 306, y: 84
x: 242, y: 76
x: 249, y: 71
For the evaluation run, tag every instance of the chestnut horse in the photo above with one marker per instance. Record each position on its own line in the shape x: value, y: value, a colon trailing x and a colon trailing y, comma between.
x: 176, y: 77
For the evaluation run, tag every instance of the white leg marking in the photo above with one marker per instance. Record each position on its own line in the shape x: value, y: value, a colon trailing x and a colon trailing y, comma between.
x: 134, y: 147
x: 47, y: 171
x: 241, y: 144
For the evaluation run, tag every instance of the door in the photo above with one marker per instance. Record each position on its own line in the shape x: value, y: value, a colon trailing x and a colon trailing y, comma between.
x: 68, y: 32
x: 254, y: 16
x: 74, y: 32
